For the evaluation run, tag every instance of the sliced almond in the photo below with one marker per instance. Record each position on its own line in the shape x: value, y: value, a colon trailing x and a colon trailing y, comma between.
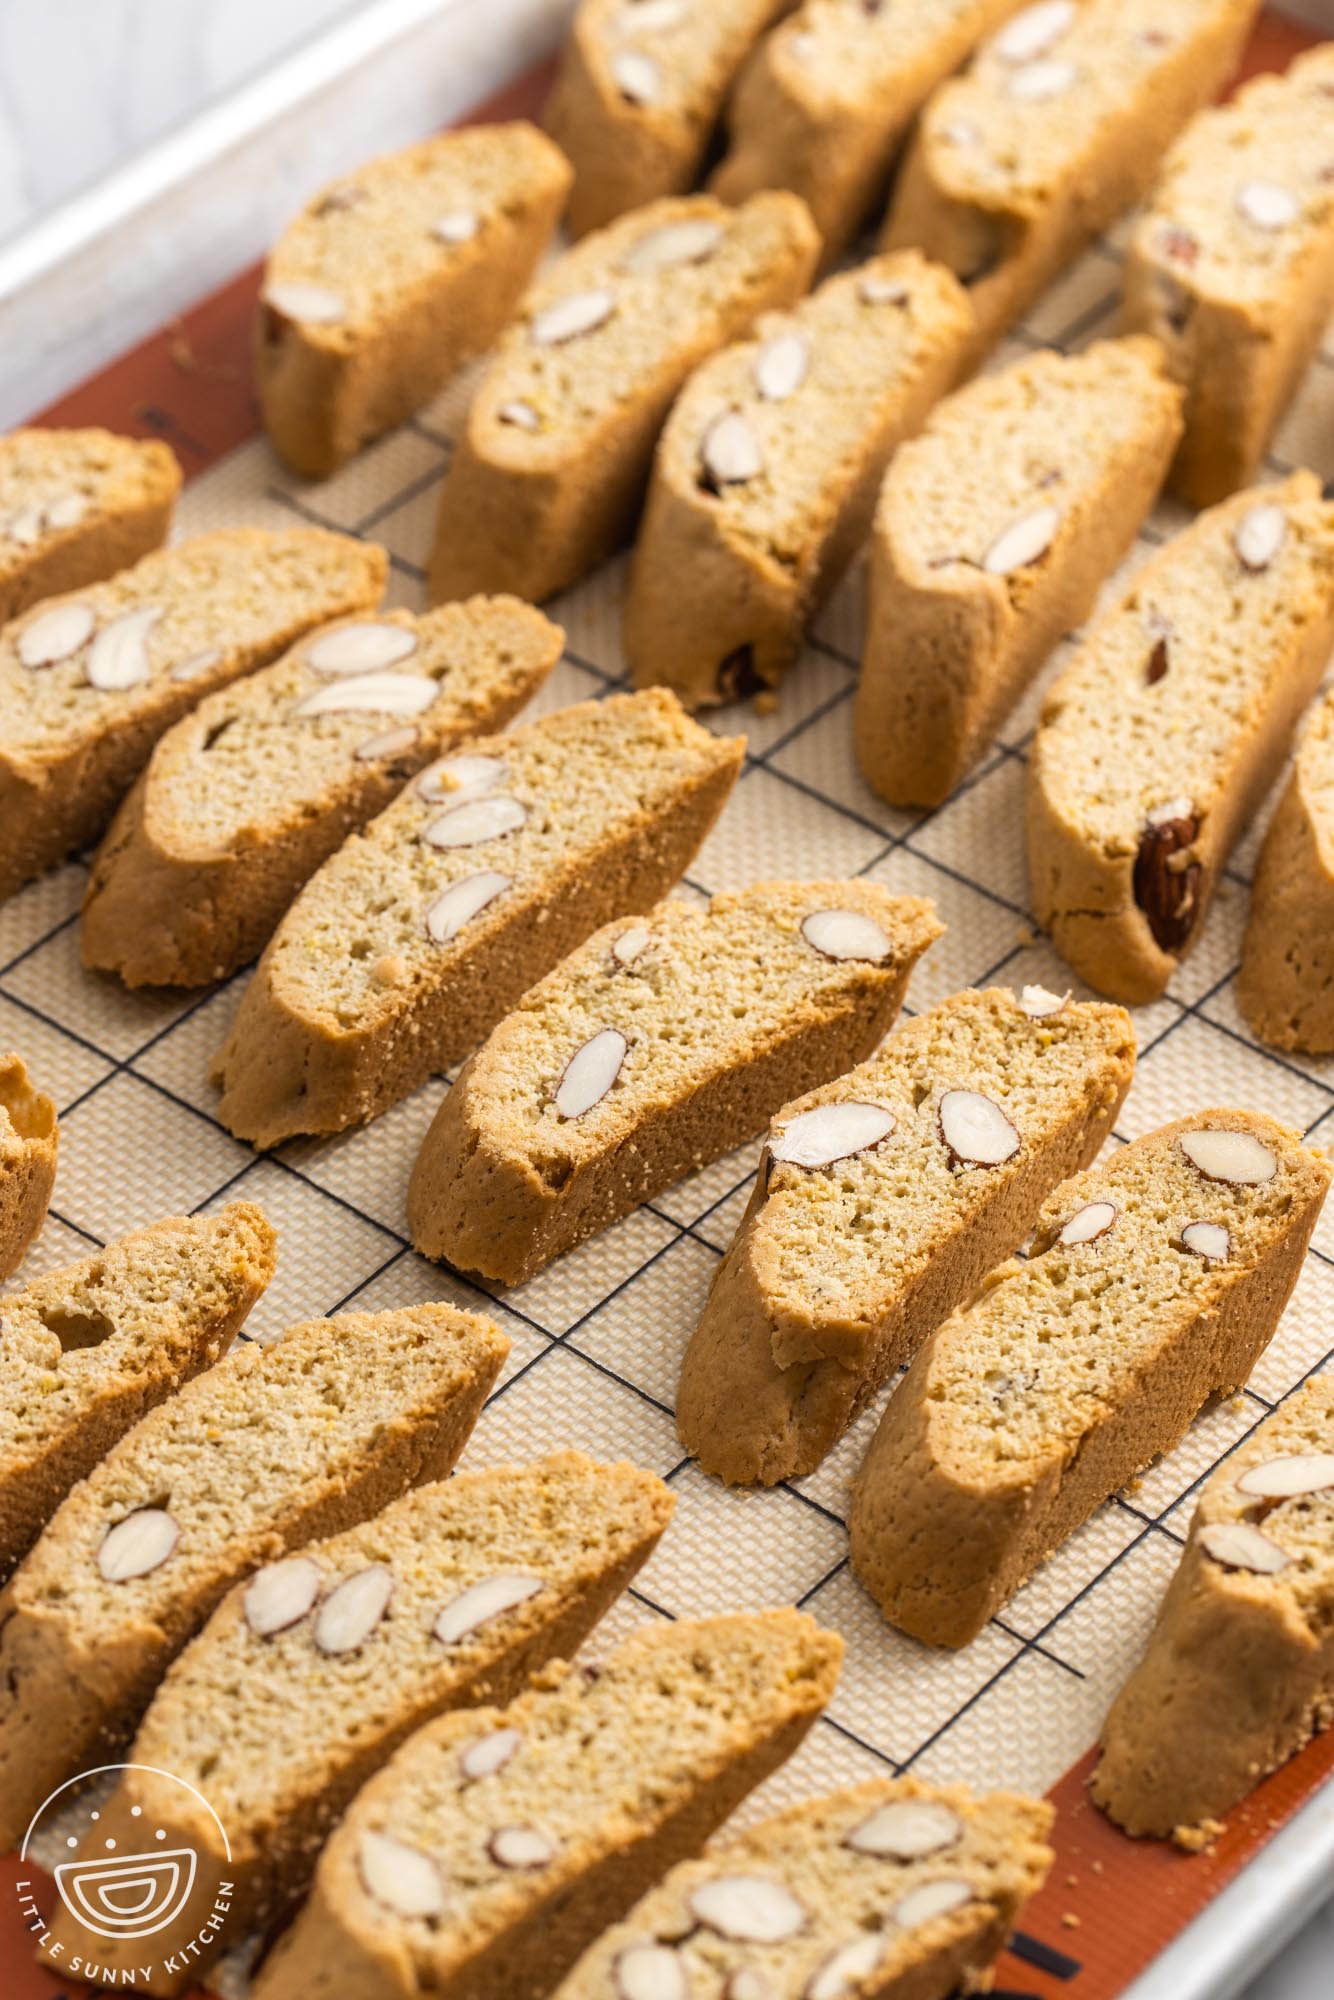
x: 878, y: 291
x: 1040, y: 1003
x: 1235, y: 1157
x: 932, y: 1899
x: 1259, y: 536
x: 476, y: 821
x: 730, y: 451
x: 675, y: 243
x: 906, y: 1830
x: 1289, y: 1478
x: 846, y: 934
x: 66, y: 510
x: 1170, y: 810
x: 636, y: 76
x: 752, y: 1909
x: 118, y: 656
x: 54, y: 635
x: 195, y: 664
x: 567, y: 318
x: 362, y: 648
x: 280, y: 1595
x: 958, y: 132
x: 486, y: 1755
x: 650, y: 16
x: 1025, y: 541
x: 522, y: 415
x: 521, y: 1847
x: 371, y: 694
x: 1090, y: 1222
x: 137, y: 1545
x: 649, y: 1972
x: 25, y: 527
x: 1240, y: 1546
x: 781, y: 366
x: 1038, y: 82
x: 401, y: 1877
x: 457, y: 778
x: 591, y: 1072
x: 1034, y: 31
x: 390, y: 743
x: 831, y: 1132
x: 631, y: 944
x: 350, y: 1613
x: 1208, y: 1240
x: 976, y: 1130
x: 461, y: 902
x: 313, y: 305
x: 481, y: 1602
x: 845, y: 1968
x: 458, y: 226
x: 1267, y: 204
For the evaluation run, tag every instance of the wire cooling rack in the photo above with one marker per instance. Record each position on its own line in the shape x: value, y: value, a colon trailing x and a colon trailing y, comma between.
x: 597, y: 1338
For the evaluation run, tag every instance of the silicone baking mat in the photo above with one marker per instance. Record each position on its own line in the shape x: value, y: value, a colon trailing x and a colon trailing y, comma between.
x: 597, y: 1337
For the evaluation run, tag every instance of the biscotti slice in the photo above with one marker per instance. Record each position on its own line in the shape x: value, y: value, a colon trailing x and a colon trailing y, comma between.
x: 308, y: 1676
x: 393, y: 277
x: 28, y: 1141
x: 1232, y: 267
x: 421, y: 933
x: 639, y: 91
x: 1057, y: 127
x: 76, y: 506
x: 826, y: 100
x: 495, y: 1846
x: 87, y: 1350
x: 893, y: 1889
x: 1286, y: 982
x: 1153, y: 1284
x: 549, y: 473
x: 766, y: 473
x: 1239, y: 1670
x: 89, y: 682
x: 993, y: 534
x: 245, y: 798
x: 655, y: 1047
x: 883, y: 1200
x: 272, y: 1447
x: 1160, y: 739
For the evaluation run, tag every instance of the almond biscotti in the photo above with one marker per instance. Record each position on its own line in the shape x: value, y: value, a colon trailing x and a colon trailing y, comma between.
x: 1286, y: 983
x: 76, y: 506
x: 421, y: 933
x: 90, y: 681
x: 883, y: 1200
x: 993, y: 534
x: 89, y: 1349
x: 1159, y: 741
x: 1154, y: 1283
x: 1232, y: 267
x: 766, y: 473
x: 494, y: 1847
x: 638, y: 93
x: 824, y: 104
x: 269, y: 1449
x: 894, y: 1889
x: 392, y: 278
x: 653, y: 1049
x: 310, y: 1674
x: 1057, y: 128
x: 1239, y: 1670
x: 28, y: 1142
x: 245, y: 798
x: 551, y: 468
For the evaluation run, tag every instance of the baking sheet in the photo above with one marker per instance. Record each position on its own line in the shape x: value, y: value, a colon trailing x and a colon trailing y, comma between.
x: 597, y: 1338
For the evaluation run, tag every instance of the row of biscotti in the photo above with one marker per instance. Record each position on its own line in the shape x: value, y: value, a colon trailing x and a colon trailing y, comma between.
x: 269, y: 1652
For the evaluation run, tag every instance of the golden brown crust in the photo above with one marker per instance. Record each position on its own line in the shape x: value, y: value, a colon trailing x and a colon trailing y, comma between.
x: 1286, y: 984
x: 120, y: 492
x: 28, y: 1142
